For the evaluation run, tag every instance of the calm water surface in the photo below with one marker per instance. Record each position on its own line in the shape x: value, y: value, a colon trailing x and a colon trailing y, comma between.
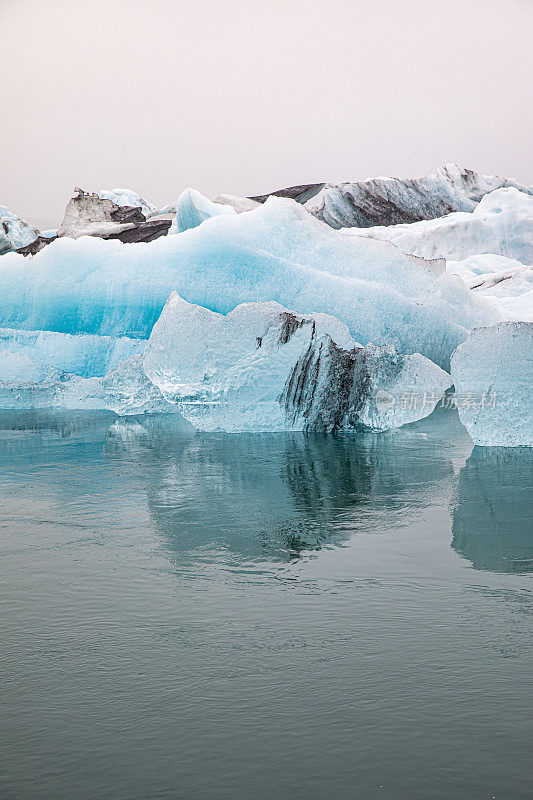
x: 263, y: 616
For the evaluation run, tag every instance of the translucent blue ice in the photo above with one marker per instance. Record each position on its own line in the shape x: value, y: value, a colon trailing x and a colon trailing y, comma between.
x: 275, y: 252
x: 493, y: 376
x: 193, y: 208
x: 85, y: 355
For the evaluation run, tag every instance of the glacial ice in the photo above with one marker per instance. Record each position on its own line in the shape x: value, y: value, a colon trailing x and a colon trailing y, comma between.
x: 26, y: 382
x: 501, y: 223
x: 84, y: 355
x: 493, y: 376
x: 240, y: 204
x: 193, y: 208
x: 505, y: 281
x: 127, y: 197
x: 127, y: 390
x: 88, y: 214
x: 391, y: 201
x: 259, y: 368
x: 113, y: 314
x: 262, y: 367
x: 301, y: 194
x: 14, y: 231
x: 275, y: 252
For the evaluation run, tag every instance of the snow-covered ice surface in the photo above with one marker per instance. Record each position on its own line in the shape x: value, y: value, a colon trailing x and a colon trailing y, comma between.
x: 493, y: 376
x: 501, y: 223
x: 14, y: 231
x: 390, y: 201
x: 505, y: 281
x: 84, y: 355
x: 194, y: 208
x: 489, y: 248
x: 275, y: 252
x: 263, y: 368
x: 240, y: 204
x: 127, y: 197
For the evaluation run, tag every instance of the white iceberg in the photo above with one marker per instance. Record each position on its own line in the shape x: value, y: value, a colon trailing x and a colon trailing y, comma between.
x: 392, y: 201
x: 240, y: 204
x: 493, y: 376
x: 89, y: 214
x: 127, y: 197
x: 506, y: 282
x: 275, y: 252
x: 502, y: 223
x: 193, y: 208
x: 14, y: 231
x: 262, y: 368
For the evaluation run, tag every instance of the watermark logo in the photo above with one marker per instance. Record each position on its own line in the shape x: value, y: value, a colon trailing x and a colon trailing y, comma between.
x: 385, y: 401
x: 415, y: 400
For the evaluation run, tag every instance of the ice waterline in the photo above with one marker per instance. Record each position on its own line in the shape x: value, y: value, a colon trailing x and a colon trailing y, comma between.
x: 257, y: 316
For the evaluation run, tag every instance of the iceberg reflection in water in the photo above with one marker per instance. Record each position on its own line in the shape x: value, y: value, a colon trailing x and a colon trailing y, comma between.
x: 273, y: 496
x: 199, y: 615
x: 493, y: 513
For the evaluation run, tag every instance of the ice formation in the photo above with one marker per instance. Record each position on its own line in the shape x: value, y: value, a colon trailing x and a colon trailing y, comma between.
x: 275, y: 252
x: 26, y: 382
x: 89, y: 214
x: 84, y: 355
x: 301, y: 193
x: 193, y: 208
x: 493, y: 375
x: 505, y: 281
x: 262, y: 367
x: 259, y: 368
x: 127, y: 197
x: 500, y: 224
x: 88, y: 323
x: 240, y: 204
x: 14, y: 232
x: 389, y: 201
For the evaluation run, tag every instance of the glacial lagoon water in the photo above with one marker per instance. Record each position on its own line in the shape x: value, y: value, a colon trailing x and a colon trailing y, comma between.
x: 263, y: 616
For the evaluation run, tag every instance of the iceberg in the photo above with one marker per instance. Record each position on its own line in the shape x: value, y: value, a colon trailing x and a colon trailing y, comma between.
x: 129, y: 198
x: 14, y: 232
x: 193, y: 208
x: 37, y: 244
x: 391, y: 201
x: 240, y: 204
x: 262, y: 368
x: 505, y: 281
x: 301, y: 194
x: 493, y: 375
x: 26, y: 382
x: 126, y: 390
x: 84, y: 355
x: 502, y: 223
x: 88, y: 214
x: 275, y: 252
x: 259, y: 368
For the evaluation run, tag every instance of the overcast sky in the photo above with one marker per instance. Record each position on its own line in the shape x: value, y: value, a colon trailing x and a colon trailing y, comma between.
x: 245, y: 96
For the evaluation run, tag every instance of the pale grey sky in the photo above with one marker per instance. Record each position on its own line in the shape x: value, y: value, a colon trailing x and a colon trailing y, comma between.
x: 243, y: 97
